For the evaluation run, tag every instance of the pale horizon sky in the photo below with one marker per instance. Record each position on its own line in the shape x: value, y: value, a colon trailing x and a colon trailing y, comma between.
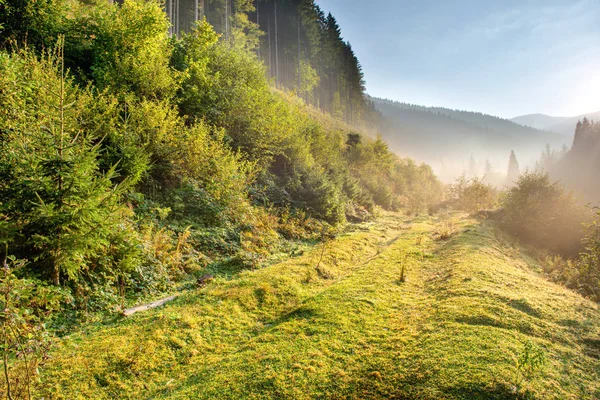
x: 504, y: 57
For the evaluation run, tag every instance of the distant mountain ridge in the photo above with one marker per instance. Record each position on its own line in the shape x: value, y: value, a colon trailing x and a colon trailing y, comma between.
x: 479, y: 119
x: 562, y: 125
x: 447, y: 139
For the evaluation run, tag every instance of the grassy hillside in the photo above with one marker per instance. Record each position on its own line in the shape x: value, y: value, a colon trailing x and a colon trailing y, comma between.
x: 348, y: 327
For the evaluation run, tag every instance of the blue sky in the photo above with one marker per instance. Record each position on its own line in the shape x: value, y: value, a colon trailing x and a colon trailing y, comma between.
x: 502, y: 57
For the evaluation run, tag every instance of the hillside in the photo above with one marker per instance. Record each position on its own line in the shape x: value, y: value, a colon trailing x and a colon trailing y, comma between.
x: 562, y: 125
x: 446, y: 139
x: 134, y: 161
x: 346, y: 327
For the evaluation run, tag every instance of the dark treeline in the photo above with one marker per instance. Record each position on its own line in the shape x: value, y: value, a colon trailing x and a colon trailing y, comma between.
x: 303, y: 51
x: 578, y: 169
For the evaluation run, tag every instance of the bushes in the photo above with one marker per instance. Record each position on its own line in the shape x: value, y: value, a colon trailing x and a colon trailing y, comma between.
x: 583, y: 273
x: 588, y: 265
x: 64, y: 213
x: 126, y: 48
x: 24, y: 307
x: 472, y: 195
x: 542, y: 213
x: 176, y: 150
x: 229, y: 89
x: 388, y: 181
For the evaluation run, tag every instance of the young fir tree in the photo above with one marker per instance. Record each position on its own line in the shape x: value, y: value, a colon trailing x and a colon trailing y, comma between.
x: 65, y: 214
x: 513, y: 169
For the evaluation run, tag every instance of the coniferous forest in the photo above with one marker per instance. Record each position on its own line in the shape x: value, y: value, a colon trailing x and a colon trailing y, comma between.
x: 226, y: 153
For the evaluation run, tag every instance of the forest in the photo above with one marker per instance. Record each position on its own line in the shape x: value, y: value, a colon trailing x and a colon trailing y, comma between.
x: 449, y: 140
x: 143, y: 154
x: 132, y: 158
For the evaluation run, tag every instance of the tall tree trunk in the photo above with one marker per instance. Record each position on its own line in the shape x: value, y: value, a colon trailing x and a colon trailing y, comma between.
x: 227, y: 20
x: 258, y: 24
x: 177, y: 18
x: 171, y: 17
x: 270, y: 58
x: 276, y: 48
x: 299, y: 63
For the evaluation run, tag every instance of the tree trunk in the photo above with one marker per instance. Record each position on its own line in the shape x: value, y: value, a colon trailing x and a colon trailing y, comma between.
x: 270, y: 58
x: 299, y: 63
x: 276, y: 49
x: 258, y: 23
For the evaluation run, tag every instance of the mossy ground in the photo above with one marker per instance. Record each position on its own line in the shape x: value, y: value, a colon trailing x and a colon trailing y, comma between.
x: 351, y: 328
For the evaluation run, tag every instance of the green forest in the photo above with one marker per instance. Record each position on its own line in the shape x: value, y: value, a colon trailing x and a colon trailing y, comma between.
x: 144, y: 155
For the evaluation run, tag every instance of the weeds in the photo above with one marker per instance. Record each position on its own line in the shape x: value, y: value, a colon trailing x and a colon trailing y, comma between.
x: 444, y: 230
x: 528, y: 364
x: 25, y: 345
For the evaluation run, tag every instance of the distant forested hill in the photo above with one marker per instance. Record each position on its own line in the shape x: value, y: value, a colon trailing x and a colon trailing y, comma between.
x: 450, y: 139
x: 563, y: 125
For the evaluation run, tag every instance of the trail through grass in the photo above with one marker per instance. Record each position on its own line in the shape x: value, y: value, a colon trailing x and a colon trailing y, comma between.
x: 351, y: 328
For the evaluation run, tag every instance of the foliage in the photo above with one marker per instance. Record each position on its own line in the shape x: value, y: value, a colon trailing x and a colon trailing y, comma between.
x: 126, y: 48
x: 64, y: 213
x: 514, y: 170
x: 134, y: 158
x: 38, y: 23
x: 588, y: 266
x: 541, y: 212
x: 472, y: 195
x: 529, y: 362
x: 228, y: 88
x: 24, y: 306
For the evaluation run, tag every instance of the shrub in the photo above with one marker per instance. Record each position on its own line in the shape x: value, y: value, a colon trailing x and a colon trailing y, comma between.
x: 542, y: 213
x: 24, y: 307
x: 588, y: 266
x: 128, y: 48
x: 64, y: 212
x: 472, y: 195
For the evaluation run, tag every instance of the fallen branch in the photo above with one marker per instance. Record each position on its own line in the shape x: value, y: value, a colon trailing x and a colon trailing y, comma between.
x: 130, y: 311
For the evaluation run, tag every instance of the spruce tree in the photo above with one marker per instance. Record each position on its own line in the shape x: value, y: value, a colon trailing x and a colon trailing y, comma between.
x: 513, y: 169
x: 66, y: 213
x: 472, y: 168
x: 488, y: 168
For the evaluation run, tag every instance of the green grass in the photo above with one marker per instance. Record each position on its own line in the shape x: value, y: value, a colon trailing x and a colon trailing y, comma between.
x: 453, y: 329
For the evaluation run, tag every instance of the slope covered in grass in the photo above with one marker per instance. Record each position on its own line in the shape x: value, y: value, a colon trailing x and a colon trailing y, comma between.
x: 348, y: 327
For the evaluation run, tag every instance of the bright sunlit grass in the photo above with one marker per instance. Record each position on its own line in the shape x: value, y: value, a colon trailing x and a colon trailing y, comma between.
x: 453, y: 329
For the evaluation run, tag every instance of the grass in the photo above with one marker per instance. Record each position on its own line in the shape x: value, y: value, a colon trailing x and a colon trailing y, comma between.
x: 453, y: 329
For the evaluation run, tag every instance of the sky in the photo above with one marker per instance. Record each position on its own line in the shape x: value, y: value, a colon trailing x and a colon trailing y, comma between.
x: 501, y: 57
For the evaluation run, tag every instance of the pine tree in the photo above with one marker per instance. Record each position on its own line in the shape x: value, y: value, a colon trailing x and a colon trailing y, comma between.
x: 488, y: 168
x: 513, y: 169
x: 66, y: 212
x: 472, y: 168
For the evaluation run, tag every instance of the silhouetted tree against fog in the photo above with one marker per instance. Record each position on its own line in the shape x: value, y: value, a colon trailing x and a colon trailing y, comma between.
x: 513, y: 169
x: 473, y: 170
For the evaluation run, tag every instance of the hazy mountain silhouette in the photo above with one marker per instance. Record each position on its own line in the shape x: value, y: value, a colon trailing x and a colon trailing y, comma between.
x: 563, y: 125
x: 447, y: 139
